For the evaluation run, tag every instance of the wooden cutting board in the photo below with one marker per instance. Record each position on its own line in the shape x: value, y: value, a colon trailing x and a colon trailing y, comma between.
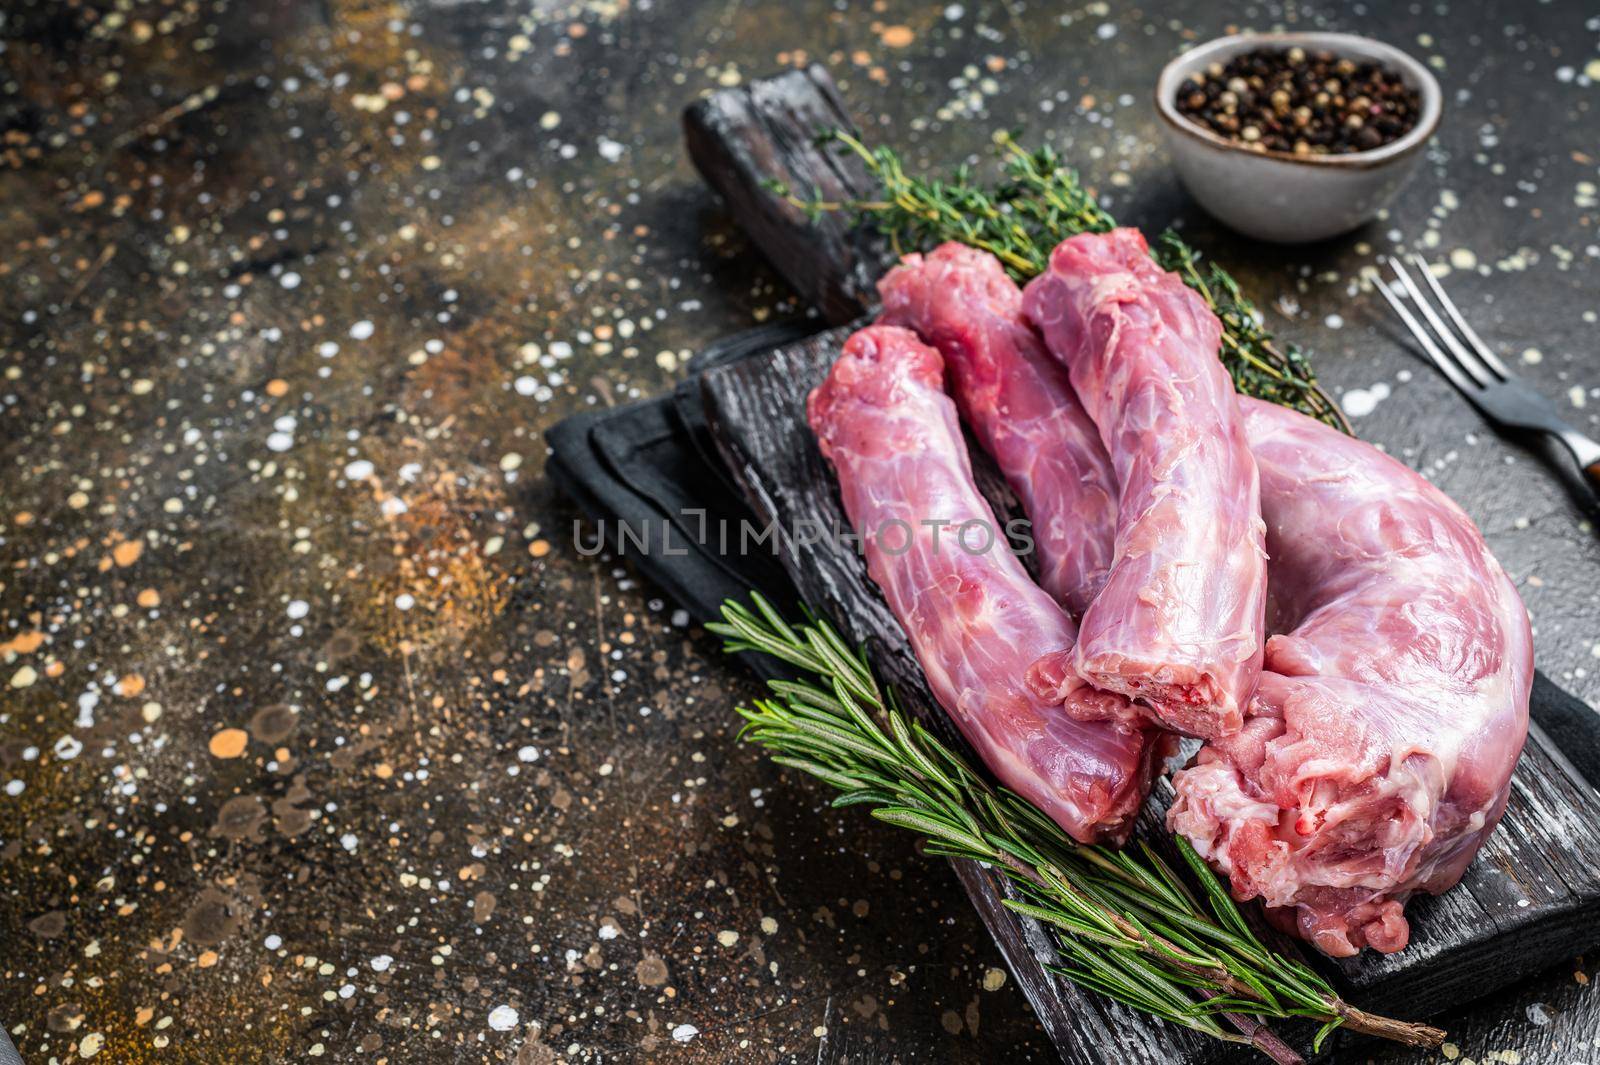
x: 1532, y: 897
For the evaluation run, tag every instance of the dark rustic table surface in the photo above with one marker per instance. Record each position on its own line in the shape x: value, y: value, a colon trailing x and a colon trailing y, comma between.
x: 320, y: 740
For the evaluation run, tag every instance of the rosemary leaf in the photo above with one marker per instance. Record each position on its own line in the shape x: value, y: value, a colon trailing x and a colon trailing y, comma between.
x: 1126, y: 924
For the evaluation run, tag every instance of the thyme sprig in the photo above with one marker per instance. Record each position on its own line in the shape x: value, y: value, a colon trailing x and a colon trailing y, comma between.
x: 1036, y: 204
x: 1127, y: 924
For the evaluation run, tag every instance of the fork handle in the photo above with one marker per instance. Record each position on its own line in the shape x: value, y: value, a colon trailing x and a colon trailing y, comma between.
x: 1585, y: 450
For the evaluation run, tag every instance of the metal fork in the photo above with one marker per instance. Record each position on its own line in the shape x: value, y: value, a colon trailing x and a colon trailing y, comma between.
x: 1478, y: 373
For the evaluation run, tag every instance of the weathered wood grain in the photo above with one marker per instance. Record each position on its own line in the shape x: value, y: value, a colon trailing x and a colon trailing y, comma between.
x: 740, y: 139
x: 1531, y: 899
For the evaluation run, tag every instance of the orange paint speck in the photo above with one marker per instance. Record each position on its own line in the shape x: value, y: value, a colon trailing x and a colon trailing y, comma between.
x: 539, y: 548
x: 127, y: 552
x: 229, y: 743
x: 277, y: 387
x: 130, y: 685
x: 23, y: 644
x: 149, y: 598
x: 898, y: 36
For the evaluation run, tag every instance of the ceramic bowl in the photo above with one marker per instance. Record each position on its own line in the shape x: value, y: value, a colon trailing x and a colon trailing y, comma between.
x: 1279, y: 196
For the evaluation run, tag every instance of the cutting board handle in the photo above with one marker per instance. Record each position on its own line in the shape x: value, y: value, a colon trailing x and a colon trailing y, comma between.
x: 743, y: 140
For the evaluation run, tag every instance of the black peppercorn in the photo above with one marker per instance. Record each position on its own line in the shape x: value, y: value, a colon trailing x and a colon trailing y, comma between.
x: 1301, y: 102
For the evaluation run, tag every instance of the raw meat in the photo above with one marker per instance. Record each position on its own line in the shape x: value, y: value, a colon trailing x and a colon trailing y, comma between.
x: 1377, y: 754
x: 1019, y: 404
x: 1392, y: 707
x: 982, y: 630
x: 1179, y: 622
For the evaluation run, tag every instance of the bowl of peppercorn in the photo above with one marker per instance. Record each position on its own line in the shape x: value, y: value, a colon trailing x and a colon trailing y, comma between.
x: 1294, y: 137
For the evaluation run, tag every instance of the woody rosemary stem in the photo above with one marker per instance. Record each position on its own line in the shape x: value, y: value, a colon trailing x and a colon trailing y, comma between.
x: 1125, y: 922
x: 1410, y: 1033
x: 1263, y: 1038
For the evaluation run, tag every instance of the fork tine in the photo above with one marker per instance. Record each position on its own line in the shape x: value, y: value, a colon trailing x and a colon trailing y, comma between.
x: 1483, y: 350
x: 1446, y: 367
x: 1463, y: 358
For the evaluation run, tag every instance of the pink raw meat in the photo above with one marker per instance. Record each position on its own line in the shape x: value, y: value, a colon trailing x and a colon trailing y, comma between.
x: 979, y: 626
x: 1019, y: 404
x: 1179, y: 623
x: 1377, y: 754
x: 1392, y: 709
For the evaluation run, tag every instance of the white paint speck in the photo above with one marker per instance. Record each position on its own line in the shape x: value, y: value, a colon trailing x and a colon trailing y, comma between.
x: 290, y: 279
x: 280, y: 442
x: 297, y: 609
x: 610, y: 150
x: 1359, y: 402
x: 349, y: 842
x: 502, y: 1018
x: 381, y: 963
x: 1333, y: 321
x: 405, y: 601
x: 358, y: 470
x: 361, y: 330
x: 14, y: 788
x: 528, y: 754
x: 86, y: 704
x: 525, y: 385
x: 68, y: 747
x: 685, y: 1032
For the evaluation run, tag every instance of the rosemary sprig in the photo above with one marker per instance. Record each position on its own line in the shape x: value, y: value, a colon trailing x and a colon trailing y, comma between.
x: 1128, y: 925
x: 1035, y: 205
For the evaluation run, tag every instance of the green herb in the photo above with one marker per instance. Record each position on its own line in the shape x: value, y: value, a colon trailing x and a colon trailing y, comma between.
x: 1038, y: 203
x: 1127, y: 924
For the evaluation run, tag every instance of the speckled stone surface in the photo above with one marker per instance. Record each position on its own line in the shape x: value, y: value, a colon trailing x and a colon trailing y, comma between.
x: 320, y: 740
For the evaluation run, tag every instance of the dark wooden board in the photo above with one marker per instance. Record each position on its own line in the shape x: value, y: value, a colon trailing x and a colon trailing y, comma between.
x: 1531, y: 899
x: 742, y: 138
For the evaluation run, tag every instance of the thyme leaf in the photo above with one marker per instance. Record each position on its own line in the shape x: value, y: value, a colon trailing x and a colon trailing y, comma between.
x: 1036, y: 203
